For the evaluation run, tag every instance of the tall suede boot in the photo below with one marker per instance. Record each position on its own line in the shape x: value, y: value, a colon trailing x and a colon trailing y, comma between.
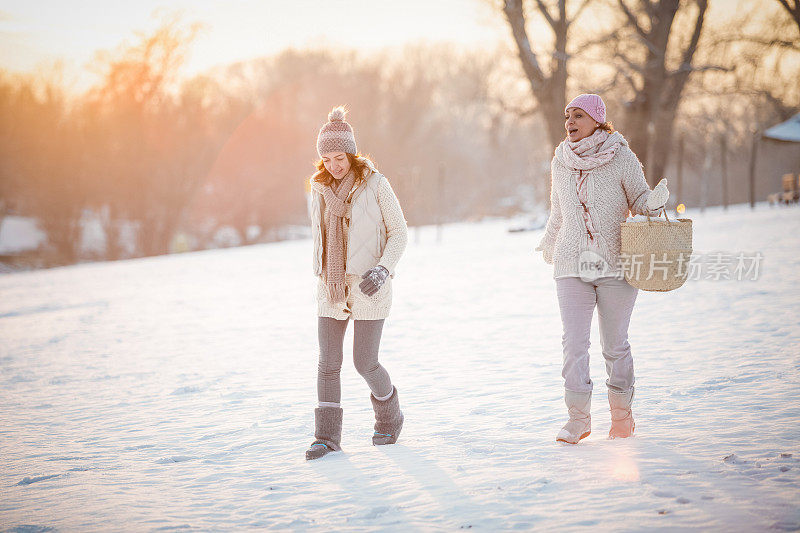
x: 388, y: 419
x: 579, y: 426
x: 622, y: 424
x: 327, y: 432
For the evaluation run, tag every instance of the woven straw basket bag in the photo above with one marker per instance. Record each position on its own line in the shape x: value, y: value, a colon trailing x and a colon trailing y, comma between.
x: 655, y: 253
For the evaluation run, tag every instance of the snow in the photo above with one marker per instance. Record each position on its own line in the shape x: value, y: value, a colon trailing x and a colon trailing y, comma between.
x: 18, y: 234
x: 177, y: 392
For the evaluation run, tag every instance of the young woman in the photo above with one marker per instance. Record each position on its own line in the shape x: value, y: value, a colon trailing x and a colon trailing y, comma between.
x: 359, y: 234
x: 596, y: 181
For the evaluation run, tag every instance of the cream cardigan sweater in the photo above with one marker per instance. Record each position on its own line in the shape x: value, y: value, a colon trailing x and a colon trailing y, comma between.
x: 614, y: 189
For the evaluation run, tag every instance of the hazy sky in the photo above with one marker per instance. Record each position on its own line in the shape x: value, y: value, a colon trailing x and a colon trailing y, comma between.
x: 35, y: 33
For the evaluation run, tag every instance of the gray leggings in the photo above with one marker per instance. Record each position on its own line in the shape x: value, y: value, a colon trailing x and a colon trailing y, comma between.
x: 366, y: 342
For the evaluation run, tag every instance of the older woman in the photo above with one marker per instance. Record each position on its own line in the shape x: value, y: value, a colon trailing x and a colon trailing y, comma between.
x: 596, y: 181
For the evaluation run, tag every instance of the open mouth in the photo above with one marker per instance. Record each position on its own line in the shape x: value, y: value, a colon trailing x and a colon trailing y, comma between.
x: 574, y: 130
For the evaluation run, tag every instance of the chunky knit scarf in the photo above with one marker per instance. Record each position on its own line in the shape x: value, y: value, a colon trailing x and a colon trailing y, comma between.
x: 583, y: 156
x: 590, y: 152
x: 335, y: 209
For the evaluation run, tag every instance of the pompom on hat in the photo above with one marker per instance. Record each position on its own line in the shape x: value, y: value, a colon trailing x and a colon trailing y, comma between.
x: 336, y: 135
x: 592, y: 104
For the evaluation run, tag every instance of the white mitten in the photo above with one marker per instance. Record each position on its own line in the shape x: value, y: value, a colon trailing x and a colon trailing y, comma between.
x: 658, y: 196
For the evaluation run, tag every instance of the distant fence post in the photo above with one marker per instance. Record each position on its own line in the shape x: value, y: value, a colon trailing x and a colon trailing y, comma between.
x: 679, y: 195
x: 753, y: 154
x: 440, y: 203
x: 419, y: 206
x: 723, y: 148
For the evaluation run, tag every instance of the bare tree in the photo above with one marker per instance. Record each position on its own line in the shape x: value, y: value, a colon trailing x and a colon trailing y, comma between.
x: 793, y: 7
x: 129, y: 110
x: 657, y: 88
x: 548, y: 86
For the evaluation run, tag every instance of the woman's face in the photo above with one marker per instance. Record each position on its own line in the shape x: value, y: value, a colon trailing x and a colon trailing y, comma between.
x: 578, y: 124
x: 336, y: 163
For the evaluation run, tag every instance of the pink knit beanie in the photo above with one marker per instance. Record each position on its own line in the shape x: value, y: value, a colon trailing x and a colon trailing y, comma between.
x: 336, y: 135
x: 592, y: 104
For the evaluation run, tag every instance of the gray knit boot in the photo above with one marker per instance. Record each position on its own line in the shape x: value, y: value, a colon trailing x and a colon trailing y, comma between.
x: 622, y: 424
x: 388, y: 419
x: 579, y: 426
x: 327, y: 432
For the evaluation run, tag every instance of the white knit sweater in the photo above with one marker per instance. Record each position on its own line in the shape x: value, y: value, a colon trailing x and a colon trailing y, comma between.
x: 614, y: 189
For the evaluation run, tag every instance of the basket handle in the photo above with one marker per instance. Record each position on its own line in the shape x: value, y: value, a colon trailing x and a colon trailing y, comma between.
x: 663, y: 212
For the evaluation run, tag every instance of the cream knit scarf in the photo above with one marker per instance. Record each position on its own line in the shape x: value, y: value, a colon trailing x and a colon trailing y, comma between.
x: 335, y: 208
x: 590, y: 152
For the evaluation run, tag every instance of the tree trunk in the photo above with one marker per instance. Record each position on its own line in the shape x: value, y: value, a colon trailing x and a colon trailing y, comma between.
x: 548, y: 90
x: 650, y: 117
x: 793, y: 7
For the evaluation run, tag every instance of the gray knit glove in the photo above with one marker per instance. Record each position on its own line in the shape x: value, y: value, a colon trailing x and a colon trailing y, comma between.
x: 374, y: 278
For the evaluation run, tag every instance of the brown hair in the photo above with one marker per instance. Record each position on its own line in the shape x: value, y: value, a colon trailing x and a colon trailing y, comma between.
x: 358, y: 165
x: 607, y: 126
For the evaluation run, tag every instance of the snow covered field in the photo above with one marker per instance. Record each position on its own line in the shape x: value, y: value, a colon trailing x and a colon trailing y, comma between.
x: 178, y: 392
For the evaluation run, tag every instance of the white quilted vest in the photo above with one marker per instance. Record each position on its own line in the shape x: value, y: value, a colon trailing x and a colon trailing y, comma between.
x: 363, y: 225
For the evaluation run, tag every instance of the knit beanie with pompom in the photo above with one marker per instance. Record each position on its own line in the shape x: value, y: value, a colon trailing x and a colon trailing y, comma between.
x: 336, y: 135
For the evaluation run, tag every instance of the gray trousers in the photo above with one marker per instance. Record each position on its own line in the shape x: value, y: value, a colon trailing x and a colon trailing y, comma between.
x: 366, y: 343
x: 614, y: 299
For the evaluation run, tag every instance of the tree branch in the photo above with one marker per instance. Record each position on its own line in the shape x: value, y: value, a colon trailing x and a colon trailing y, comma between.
x: 579, y: 11
x: 632, y: 19
x: 705, y: 68
x: 601, y: 39
x: 530, y: 64
x: 650, y: 8
x: 546, y: 14
x: 791, y: 45
x: 631, y: 64
x: 681, y: 75
x: 628, y: 78
x: 521, y: 112
x: 698, y: 28
x: 794, y: 11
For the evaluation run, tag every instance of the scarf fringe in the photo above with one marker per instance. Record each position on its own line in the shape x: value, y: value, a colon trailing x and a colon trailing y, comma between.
x: 336, y: 292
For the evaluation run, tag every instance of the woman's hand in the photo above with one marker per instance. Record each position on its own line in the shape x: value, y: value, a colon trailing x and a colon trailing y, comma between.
x: 658, y: 197
x: 374, y: 278
x: 547, y: 253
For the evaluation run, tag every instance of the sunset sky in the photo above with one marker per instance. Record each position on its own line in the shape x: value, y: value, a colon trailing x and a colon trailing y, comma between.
x: 35, y: 34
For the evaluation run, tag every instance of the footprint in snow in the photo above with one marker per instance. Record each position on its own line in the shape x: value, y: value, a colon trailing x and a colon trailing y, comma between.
x: 174, y: 459
x: 376, y: 512
x: 139, y: 447
x: 30, y: 480
x: 763, y: 468
x: 663, y: 494
x: 786, y: 526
